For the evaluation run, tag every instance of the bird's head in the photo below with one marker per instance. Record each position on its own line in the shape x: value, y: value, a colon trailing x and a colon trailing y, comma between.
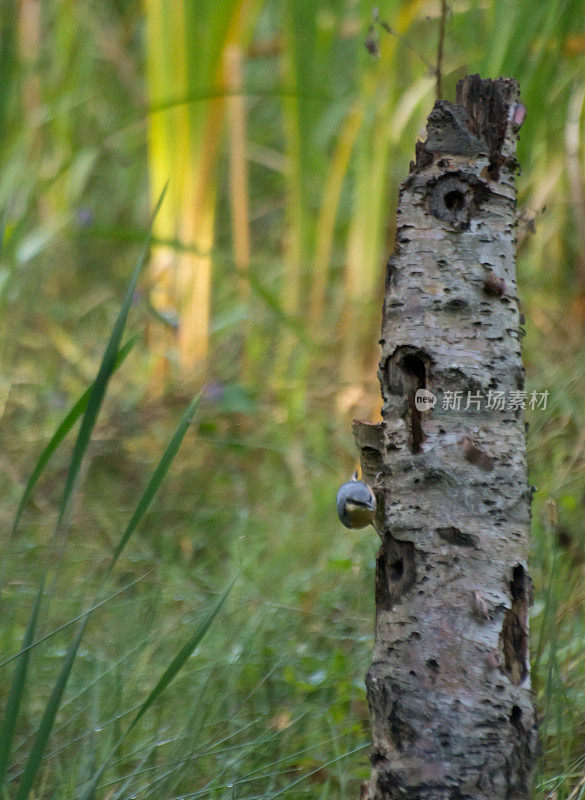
x: 356, y: 504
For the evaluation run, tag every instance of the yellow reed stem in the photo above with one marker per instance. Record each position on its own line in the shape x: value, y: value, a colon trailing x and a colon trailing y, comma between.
x: 238, y: 173
x: 325, y: 230
x: 294, y: 240
x: 364, y: 262
x: 161, y: 135
x: 184, y: 143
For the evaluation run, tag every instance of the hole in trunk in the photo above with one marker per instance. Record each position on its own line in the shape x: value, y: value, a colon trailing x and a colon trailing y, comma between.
x: 414, y: 366
x: 454, y: 200
x: 516, y: 716
x: 518, y: 583
x: 406, y: 373
x: 514, y: 635
x: 395, y: 572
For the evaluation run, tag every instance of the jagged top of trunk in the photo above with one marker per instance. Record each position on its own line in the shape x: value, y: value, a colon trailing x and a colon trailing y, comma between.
x: 479, y: 122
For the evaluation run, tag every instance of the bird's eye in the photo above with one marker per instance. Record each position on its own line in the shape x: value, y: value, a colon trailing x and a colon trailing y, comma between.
x: 358, y: 504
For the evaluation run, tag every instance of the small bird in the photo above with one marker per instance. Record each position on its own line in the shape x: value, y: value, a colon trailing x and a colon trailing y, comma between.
x: 356, y: 503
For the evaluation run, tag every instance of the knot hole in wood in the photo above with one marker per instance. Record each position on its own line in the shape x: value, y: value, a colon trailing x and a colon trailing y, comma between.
x: 454, y: 198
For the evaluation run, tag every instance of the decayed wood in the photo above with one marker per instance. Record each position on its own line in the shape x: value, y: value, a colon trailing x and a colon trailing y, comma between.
x: 449, y: 685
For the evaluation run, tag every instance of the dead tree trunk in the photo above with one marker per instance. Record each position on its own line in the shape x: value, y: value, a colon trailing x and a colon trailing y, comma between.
x: 449, y: 686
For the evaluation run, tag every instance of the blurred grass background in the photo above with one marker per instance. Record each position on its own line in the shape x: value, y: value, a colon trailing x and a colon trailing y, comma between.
x: 283, y: 140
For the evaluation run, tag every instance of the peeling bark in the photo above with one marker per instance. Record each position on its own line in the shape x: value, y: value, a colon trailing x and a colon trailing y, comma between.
x: 449, y: 685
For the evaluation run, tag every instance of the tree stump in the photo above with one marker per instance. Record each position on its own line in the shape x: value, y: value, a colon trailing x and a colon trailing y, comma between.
x: 449, y: 686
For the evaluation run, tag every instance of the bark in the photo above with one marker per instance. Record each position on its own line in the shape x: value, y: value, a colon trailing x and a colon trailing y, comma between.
x: 449, y: 685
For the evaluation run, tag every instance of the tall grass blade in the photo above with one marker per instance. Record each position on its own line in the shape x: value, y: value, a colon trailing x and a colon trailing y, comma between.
x: 8, y: 62
x: 8, y: 727
x: 171, y: 671
x: 69, y: 421
x: 179, y: 660
x: 105, y: 372
x: 50, y: 713
x: 156, y: 480
x: 42, y: 735
x: 318, y: 769
x: 46, y: 725
x: 70, y: 622
x: 94, y: 402
x: 3, y: 218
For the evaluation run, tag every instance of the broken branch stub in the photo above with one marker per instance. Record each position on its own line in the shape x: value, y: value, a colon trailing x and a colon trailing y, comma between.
x: 449, y: 685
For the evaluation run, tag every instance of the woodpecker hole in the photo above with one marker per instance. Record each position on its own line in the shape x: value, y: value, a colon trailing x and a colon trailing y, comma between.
x: 514, y: 634
x: 414, y: 367
x: 449, y: 200
x: 455, y: 196
x: 454, y: 200
x: 518, y: 583
x: 406, y: 373
x: 395, y: 571
x: 516, y: 716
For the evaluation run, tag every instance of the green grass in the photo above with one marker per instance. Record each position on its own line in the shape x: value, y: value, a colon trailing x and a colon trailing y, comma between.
x: 271, y: 702
x: 275, y: 693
